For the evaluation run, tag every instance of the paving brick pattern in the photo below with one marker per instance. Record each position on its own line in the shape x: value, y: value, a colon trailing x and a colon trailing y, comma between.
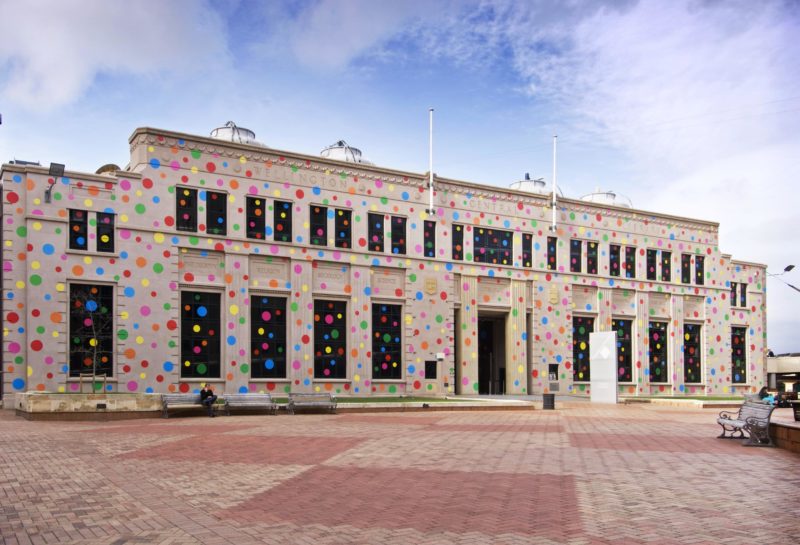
x: 576, y: 476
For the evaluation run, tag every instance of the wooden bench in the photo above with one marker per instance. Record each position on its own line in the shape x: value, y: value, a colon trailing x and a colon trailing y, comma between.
x: 752, y: 419
x: 249, y: 401
x: 311, y: 401
x: 181, y: 401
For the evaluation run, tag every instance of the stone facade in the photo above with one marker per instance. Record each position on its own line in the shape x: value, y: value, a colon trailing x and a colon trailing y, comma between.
x: 465, y: 325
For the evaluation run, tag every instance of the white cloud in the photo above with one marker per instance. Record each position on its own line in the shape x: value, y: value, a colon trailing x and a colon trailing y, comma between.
x: 53, y: 50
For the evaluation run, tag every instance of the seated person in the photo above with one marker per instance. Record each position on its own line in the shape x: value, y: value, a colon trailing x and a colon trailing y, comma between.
x: 207, y: 397
x: 765, y: 396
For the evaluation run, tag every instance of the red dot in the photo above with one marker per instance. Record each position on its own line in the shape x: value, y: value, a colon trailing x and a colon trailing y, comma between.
x: 417, y: 385
x: 362, y: 242
x: 299, y: 193
x: 211, y: 167
x: 443, y: 295
x: 172, y: 325
x: 169, y: 221
x: 12, y: 197
x: 305, y: 339
x: 13, y: 317
x: 183, y: 387
x: 36, y: 345
x: 147, y: 183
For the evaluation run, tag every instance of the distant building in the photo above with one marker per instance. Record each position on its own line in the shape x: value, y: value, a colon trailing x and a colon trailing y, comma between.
x: 222, y: 260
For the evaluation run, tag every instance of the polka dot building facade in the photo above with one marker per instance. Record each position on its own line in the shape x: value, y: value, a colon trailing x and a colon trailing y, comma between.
x: 260, y: 270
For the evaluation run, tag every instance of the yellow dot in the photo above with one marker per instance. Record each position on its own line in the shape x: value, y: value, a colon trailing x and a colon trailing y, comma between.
x: 242, y: 159
x: 159, y: 237
x: 145, y: 282
x: 124, y: 314
x: 88, y: 203
x: 37, y: 226
x: 357, y: 378
x: 151, y: 149
x: 87, y: 260
x: 304, y: 288
x: 20, y: 285
x: 194, y: 170
x: 35, y: 265
x: 123, y: 218
x: 92, y: 342
x: 142, y: 375
x: 60, y: 287
x: 139, y: 340
x: 196, y: 328
x: 234, y: 309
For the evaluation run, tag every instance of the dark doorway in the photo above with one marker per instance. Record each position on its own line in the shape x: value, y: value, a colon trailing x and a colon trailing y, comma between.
x: 491, y: 354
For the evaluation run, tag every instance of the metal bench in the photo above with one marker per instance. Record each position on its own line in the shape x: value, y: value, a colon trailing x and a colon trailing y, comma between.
x: 311, y: 401
x: 752, y: 419
x: 181, y: 401
x: 249, y: 401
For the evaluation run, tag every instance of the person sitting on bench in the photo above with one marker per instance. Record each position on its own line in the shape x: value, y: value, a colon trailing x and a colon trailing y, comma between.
x: 207, y: 397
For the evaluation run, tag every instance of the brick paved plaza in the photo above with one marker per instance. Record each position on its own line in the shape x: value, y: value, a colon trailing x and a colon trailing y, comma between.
x: 578, y: 475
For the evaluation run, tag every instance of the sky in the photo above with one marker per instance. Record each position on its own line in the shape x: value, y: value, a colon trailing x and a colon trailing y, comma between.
x: 686, y: 107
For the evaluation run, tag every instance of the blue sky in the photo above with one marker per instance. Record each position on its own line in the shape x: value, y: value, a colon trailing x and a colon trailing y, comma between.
x: 687, y: 107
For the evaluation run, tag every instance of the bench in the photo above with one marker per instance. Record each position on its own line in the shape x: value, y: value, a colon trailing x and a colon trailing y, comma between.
x: 752, y: 419
x: 249, y: 401
x: 181, y: 401
x: 311, y: 401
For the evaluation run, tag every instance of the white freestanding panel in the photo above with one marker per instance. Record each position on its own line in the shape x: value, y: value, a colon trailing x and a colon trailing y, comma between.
x: 603, y: 357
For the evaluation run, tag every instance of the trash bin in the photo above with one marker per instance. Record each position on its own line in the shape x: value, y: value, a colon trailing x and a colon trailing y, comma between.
x: 549, y: 402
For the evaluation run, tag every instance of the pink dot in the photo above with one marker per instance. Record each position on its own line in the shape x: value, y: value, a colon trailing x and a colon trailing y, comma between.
x: 132, y: 386
x: 13, y: 348
x: 328, y: 319
x: 274, y: 249
x: 465, y: 381
x: 145, y: 311
x: 295, y: 364
x: 125, y: 185
x: 298, y: 269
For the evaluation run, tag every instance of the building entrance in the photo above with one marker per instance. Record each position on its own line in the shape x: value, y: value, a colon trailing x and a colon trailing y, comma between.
x: 491, y: 354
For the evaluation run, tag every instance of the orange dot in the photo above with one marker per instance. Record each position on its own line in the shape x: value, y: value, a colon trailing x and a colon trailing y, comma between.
x: 130, y: 353
x: 77, y: 270
x: 141, y: 262
x: 229, y: 376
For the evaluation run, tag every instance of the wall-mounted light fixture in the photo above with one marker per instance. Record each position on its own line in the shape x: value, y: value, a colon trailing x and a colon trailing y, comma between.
x: 56, y: 171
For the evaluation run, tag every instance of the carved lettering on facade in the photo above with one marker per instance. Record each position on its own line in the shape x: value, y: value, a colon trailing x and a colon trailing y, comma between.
x: 206, y: 268
x: 494, y: 292
x: 264, y: 273
x: 388, y: 283
x: 331, y: 278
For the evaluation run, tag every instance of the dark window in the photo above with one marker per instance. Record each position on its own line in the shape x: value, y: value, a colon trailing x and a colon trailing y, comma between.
x: 666, y: 266
x: 319, y: 225
x: 527, y: 250
x: 256, y: 217
x: 398, y: 235
x: 430, y: 238
x: 739, y: 355
x: 493, y: 246
x: 613, y: 259
x: 686, y: 268
x: 581, y: 327
x: 375, y: 232
x: 733, y: 294
x: 216, y: 213
x: 552, y: 253
x: 78, y: 230
x: 330, y: 339
x: 105, y: 232
x: 344, y: 228
x: 624, y: 347
x: 186, y: 209
x: 200, y: 346
x: 575, y: 255
x: 458, y: 242
x: 699, y: 272
x: 591, y: 257
x: 652, y: 259
x: 91, y: 329
x: 630, y: 262
x: 267, y: 336
x: 743, y: 295
x: 430, y: 369
x: 657, y: 352
x: 282, y: 221
x: 386, y: 342
x: 692, y: 358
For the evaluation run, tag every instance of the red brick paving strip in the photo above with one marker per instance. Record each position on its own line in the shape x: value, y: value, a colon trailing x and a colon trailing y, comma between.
x: 511, y: 428
x: 662, y: 443
x: 427, y: 501
x: 244, y: 449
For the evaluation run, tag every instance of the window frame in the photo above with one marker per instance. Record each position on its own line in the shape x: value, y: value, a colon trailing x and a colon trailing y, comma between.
x: 190, y: 224
x: 282, y: 227
x: 376, y: 233
x: 343, y: 228
x: 577, y: 352
x: 214, y: 212
x: 398, y: 236
x: 252, y: 209
x: 457, y: 246
x: 575, y: 255
x: 665, y: 352
x: 217, y: 337
x: 319, y: 363
x: 375, y: 347
x: 429, y: 238
x: 109, y: 370
x: 615, y: 260
x: 493, y: 252
x: 699, y: 351
x: 624, y: 359
x: 255, y: 320
x: 551, y: 253
x: 742, y: 365
x: 317, y: 225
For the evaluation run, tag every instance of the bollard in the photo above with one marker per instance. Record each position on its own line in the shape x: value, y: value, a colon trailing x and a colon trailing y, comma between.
x: 549, y: 402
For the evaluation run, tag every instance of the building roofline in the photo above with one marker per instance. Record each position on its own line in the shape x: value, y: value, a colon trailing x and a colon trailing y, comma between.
x: 69, y: 173
x: 421, y: 176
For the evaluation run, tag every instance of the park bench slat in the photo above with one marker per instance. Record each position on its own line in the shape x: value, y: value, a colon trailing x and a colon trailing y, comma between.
x: 753, y: 419
x: 311, y: 401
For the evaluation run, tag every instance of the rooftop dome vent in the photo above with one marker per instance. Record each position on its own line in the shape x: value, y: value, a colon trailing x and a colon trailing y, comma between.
x: 342, y: 151
x: 233, y: 133
x: 538, y: 186
x: 608, y: 197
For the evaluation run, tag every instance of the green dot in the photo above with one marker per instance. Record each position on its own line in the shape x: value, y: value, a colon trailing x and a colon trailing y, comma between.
x: 122, y: 334
x: 36, y: 280
x: 475, y: 386
x: 201, y: 368
x: 140, y: 208
x: 40, y: 329
x: 196, y: 154
x: 167, y: 306
x: 384, y: 200
x: 22, y: 231
x: 293, y: 307
x: 439, y: 318
x: 392, y: 389
x: 194, y: 241
x: 387, y: 338
x: 412, y: 277
x: 158, y: 268
x: 172, y: 344
x: 335, y: 334
x: 244, y: 368
x: 364, y: 324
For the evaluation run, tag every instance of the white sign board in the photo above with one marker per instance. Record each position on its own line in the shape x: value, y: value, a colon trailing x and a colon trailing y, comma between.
x: 603, y: 366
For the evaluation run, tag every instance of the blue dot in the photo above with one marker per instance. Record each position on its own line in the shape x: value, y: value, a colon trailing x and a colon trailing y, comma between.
x: 18, y: 384
x: 544, y: 320
x: 48, y: 249
x: 129, y: 292
x: 168, y: 366
x: 418, y: 296
x: 242, y: 389
x: 269, y: 364
x: 404, y: 195
x: 368, y: 291
x: 316, y: 190
x: 231, y: 340
x: 412, y: 369
x: 155, y: 163
x: 202, y: 311
x: 91, y: 306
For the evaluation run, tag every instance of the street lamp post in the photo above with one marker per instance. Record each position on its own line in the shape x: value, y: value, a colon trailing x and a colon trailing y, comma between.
x: 786, y: 269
